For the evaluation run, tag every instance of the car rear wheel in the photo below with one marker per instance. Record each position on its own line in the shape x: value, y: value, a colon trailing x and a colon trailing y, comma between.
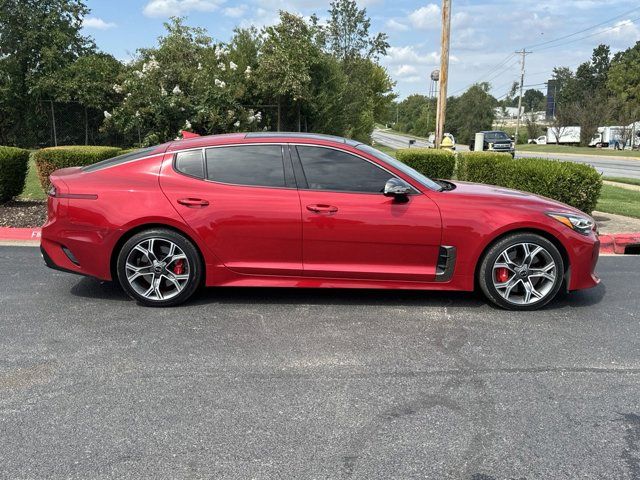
x: 159, y: 268
x: 522, y: 271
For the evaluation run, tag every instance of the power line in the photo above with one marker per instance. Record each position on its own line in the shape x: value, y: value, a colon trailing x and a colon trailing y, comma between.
x: 586, y: 36
x: 489, y: 72
x: 583, y: 30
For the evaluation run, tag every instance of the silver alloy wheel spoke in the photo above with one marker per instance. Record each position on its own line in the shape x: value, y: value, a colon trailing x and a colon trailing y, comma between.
x: 532, y: 273
x: 153, y: 278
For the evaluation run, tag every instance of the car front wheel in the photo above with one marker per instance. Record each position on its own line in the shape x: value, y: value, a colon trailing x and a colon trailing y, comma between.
x: 159, y: 268
x: 522, y: 271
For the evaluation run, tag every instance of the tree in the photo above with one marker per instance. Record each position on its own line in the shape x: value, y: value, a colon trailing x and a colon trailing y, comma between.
x: 533, y: 100
x: 89, y: 82
x: 590, y: 113
x: 471, y: 112
x: 39, y: 38
x: 287, y: 56
x: 559, y: 124
x: 347, y: 32
x: 624, y: 73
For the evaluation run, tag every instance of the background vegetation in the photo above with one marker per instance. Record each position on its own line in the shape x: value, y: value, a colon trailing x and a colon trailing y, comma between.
x: 57, y: 88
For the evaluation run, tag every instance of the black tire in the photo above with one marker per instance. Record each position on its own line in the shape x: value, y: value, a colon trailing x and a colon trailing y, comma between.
x: 485, y: 272
x: 194, y: 267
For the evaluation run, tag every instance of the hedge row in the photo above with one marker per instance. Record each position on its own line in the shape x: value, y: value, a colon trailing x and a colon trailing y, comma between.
x: 575, y: 184
x: 14, y: 163
x: 428, y: 161
x: 50, y: 159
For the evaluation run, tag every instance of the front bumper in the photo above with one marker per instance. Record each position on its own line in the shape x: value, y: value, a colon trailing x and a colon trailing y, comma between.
x: 583, y: 258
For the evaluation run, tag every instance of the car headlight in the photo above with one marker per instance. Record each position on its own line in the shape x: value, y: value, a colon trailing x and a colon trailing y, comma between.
x: 580, y: 223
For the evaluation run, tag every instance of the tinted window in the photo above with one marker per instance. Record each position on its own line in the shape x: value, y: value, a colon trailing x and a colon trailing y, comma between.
x: 427, y: 182
x: 259, y: 165
x: 328, y: 169
x: 127, y: 157
x: 190, y: 163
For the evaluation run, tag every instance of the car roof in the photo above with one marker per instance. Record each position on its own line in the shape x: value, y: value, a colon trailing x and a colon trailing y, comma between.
x: 254, y: 137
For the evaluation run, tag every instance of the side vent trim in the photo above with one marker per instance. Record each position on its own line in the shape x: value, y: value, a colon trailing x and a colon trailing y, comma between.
x: 446, y: 263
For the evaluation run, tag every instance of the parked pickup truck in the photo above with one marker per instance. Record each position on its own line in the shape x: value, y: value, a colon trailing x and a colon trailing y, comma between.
x: 496, y: 141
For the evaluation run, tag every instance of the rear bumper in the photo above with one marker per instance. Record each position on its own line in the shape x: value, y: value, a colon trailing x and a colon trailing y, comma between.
x: 77, y: 249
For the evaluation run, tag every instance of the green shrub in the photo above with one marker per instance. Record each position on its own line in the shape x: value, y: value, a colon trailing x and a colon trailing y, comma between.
x: 575, y: 184
x: 50, y: 159
x: 481, y: 167
x: 428, y: 161
x: 14, y: 163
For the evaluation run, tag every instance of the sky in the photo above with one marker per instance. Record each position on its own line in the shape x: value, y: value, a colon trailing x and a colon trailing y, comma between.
x: 484, y: 33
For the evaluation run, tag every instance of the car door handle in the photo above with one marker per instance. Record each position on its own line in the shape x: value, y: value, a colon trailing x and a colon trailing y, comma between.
x: 322, y: 208
x: 193, y: 202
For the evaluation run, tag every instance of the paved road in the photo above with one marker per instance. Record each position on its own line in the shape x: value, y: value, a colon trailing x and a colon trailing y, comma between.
x: 608, y: 166
x: 271, y: 384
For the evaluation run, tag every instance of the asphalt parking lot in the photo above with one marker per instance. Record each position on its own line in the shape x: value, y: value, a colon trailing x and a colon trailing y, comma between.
x: 270, y: 384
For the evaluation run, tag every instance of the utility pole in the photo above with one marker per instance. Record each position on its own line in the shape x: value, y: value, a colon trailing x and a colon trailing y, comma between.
x: 524, y: 53
x: 441, y: 108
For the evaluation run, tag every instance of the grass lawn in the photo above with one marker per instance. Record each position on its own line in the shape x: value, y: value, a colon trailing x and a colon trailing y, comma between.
x: 619, y: 200
x: 630, y: 181
x: 32, y: 189
x: 578, y: 150
x: 388, y: 150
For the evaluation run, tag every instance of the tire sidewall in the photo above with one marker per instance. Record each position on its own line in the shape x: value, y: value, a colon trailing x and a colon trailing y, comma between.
x: 193, y: 257
x: 485, y: 274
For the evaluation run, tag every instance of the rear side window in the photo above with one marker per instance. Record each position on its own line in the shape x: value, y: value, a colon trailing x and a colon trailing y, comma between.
x: 329, y: 169
x: 255, y: 165
x: 127, y: 157
x: 190, y: 163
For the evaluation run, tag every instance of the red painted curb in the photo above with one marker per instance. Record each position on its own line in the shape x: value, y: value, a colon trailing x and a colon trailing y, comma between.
x: 623, y: 240
x: 20, y: 234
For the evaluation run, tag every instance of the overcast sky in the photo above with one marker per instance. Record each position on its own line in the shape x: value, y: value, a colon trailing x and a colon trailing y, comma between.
x: 484, y: 33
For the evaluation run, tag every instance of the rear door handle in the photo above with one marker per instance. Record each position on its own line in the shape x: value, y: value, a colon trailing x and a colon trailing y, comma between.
x: 322, y: 208
x: 193, y: 202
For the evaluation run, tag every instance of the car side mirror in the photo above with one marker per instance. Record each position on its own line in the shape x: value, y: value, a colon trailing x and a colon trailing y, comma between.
x: 396, y: 188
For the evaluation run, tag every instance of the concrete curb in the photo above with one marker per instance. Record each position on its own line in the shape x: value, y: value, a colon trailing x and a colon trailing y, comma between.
x: 615, y: 243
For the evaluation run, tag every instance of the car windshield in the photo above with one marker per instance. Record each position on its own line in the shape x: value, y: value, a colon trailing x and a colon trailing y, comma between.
x: 497, y: 135
x: 404, y: 168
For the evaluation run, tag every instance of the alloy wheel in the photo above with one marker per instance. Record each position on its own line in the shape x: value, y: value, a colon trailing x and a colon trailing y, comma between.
x: 157, y: 269
x: 524, y: 273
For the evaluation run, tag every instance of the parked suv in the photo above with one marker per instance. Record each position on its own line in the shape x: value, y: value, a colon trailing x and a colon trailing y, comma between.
x: 496, y: 141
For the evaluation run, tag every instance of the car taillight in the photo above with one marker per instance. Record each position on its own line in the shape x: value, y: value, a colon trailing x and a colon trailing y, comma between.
x: 53, y: 192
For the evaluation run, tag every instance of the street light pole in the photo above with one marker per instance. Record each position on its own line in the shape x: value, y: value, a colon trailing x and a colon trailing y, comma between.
x: 441, y: 108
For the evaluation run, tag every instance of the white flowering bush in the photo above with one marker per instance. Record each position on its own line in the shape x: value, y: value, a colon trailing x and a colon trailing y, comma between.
x: 186, y: 83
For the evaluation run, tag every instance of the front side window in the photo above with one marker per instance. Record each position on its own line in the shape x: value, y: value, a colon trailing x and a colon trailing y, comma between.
x: 255, y: 165
x: 329, y: 169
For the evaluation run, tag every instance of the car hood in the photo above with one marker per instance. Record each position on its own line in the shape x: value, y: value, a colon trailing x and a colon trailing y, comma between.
x: 477, y: 192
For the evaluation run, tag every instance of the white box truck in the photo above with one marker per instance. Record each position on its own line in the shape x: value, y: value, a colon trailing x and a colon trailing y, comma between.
x: 608, y: 137
x: 563, y: 135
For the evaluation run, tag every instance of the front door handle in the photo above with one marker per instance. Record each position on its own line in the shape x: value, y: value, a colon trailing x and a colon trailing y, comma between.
x: 322, y: 208
x: 193, y: 202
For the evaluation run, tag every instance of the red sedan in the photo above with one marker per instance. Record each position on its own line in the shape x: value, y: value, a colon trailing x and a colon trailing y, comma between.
x: 304, y: 210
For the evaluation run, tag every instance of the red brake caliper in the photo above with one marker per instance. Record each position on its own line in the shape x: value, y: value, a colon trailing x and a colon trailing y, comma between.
x: 178, y: 268
x: 502, y: 274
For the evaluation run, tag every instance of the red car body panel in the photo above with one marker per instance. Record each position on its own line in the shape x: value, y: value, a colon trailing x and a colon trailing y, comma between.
x: 262, y: 236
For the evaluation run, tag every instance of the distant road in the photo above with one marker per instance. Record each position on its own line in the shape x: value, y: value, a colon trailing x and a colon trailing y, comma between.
x: 608, y: 166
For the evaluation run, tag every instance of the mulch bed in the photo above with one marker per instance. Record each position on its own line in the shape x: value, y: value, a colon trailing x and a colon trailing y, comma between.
x: 23, y: 213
